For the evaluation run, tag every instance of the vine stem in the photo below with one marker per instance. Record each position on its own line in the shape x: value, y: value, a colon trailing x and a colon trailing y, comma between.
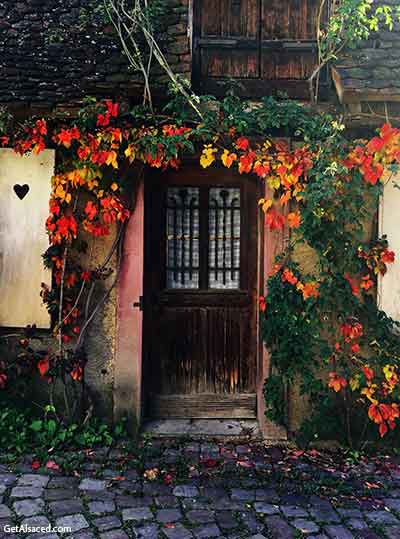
x: 88, y: 318
x: 347, y: 405
x: 61, y: 300
x: 75, y: 304
x: 127, y: 23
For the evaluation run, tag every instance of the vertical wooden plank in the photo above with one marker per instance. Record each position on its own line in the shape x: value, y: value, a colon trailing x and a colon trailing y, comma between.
x: 211, y: 19
x: 289, y: 20
x: 287, y: 65
x: 227, y: 19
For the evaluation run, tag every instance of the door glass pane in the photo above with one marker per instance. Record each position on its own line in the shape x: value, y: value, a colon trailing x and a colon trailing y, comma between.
x: 224, y: 238
x: 182, y: 237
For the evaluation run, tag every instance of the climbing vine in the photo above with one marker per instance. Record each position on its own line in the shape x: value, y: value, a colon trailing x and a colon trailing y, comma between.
x: 323, y: 330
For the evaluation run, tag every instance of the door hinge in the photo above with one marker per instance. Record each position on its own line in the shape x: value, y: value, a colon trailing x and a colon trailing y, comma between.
x: 139, y: 304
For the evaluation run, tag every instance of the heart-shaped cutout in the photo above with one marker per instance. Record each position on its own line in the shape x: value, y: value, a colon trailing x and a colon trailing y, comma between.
x: 21, y: 190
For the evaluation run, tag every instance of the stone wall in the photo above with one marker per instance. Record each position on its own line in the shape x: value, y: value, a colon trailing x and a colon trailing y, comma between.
x: 57, y: 51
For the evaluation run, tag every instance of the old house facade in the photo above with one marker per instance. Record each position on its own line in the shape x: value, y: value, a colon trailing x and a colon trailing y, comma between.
x: 179, y: 337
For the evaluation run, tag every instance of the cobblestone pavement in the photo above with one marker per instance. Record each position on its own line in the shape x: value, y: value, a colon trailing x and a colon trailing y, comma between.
x: 190, y: 490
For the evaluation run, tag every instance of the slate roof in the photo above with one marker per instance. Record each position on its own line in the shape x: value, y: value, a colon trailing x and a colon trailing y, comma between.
x: 372, y: 72
x: 56, y: 51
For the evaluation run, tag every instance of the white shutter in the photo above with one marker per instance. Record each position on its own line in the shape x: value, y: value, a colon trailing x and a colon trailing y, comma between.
x: 389, y: 224
x: 23, y: 237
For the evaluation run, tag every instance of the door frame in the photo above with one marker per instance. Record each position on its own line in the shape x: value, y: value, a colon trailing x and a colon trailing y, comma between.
x: 128, y: 372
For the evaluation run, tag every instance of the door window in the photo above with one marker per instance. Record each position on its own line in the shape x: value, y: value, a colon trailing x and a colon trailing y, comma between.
x: 224, y: 238
x: 183, y: 237
x: 189, y: 245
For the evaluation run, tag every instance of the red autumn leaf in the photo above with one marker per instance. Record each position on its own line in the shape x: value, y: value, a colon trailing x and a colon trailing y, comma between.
x: 169, y: 525
x: 366, y: 282
x: 261, y: 169
x: 91, y: 210
x: 375, y: 144
x: 54, y: 207
x: 288, y: 276
x: 66, y: 136
x: 41, y: 126
x: 242, y: 143
x: 85, y: 275
x: 371, y: 485
x: 83, y: 152
x: 210, y: 463
x: 245, y: 464
x: 274, y: 220
x: 112, y: 108
x: 368, y: 372
x: 35, y: 464
x: 354, y: 288
x: 103, y: 119
x: 52, y: 465
x: 297, y: 454
x: 387, y: 256
x: 43, y: 366
x: 168, y: 478
x: 336, y: 382
x: 246, y: 162
x: 383, y: 429
x: 77, y: 373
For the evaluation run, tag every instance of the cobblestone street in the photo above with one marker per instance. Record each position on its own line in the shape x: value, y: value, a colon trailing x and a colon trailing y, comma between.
x: 189, y: 490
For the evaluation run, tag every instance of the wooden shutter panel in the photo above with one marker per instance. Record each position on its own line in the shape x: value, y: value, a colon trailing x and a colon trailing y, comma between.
x: 267, y: 45
x: 227, y: 45
x: 288, y: 33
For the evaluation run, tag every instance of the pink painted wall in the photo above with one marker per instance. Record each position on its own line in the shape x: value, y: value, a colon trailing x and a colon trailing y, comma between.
x: 128, y: 361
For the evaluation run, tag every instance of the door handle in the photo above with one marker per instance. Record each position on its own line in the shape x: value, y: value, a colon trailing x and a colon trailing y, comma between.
x: 139, y: 304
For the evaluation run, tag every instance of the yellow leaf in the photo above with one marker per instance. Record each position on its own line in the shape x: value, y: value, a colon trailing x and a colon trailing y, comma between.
x: 354, y: 382
x: 130, y: 153
x: 114, y: 186
x: 274, y: 182
x: 59, y: 192
x: 207, y: 156
x: 112, y: 159
x: 265, y: 204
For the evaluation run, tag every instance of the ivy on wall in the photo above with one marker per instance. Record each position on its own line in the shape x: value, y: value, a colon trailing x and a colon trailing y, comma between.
x: 324, y: 189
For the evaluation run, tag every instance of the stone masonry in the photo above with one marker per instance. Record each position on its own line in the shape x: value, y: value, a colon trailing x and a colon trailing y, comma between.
x: 57, y: 51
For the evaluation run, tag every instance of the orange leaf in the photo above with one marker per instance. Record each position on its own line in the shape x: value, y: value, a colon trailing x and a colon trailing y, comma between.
x: 294, y: 219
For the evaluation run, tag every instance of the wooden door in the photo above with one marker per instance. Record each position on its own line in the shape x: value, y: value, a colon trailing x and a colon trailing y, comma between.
x: 200, y: 295
x: 265, y: 45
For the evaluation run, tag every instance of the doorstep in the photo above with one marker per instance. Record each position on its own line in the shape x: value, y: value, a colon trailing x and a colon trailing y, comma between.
x: 203, y: 428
